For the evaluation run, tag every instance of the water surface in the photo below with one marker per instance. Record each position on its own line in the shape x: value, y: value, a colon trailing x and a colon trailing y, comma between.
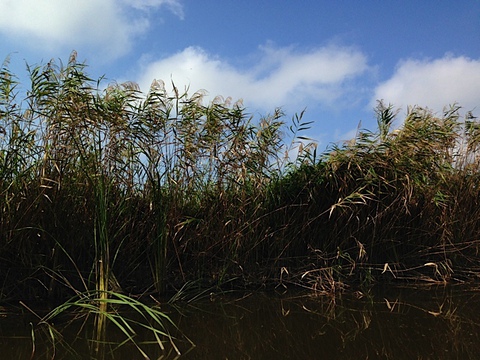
x: 394, y: 323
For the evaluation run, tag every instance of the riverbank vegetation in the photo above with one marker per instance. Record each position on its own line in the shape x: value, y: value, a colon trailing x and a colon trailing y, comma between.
x: 105, y: 189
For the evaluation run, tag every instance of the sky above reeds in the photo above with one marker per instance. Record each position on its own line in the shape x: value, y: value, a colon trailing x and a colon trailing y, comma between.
x: 334, y: 58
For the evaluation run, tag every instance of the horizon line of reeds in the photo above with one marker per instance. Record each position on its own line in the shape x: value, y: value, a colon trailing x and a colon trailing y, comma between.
x: 113, y: 189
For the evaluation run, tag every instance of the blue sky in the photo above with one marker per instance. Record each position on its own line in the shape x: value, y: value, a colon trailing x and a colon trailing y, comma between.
x: 334, y: 58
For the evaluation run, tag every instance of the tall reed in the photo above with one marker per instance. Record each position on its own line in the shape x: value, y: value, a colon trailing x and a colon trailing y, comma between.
x: 112, y: 189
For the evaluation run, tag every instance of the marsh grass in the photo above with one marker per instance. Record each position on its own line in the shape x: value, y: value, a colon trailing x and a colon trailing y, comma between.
x: 106, y: 188
x: 101, y: 331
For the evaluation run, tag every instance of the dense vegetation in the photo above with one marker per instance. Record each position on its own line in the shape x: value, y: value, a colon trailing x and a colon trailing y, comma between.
x: 111, y: 189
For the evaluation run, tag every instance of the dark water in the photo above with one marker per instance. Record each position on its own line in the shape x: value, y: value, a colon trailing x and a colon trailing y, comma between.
x: 410, y: 323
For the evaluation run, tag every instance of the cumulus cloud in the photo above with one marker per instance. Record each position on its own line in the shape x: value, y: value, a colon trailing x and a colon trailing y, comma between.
x: 281, y: 76
x: 433, y: 83
x: 105, y: 26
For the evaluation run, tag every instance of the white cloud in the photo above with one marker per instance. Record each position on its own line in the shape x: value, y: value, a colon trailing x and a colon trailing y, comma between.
x: 173, y: 5
x: 282, y: 76
x: 433, y: 84
x: 105, y: 27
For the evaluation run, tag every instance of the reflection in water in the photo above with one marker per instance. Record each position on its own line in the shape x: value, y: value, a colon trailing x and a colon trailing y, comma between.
x: 99, y: 335
x: 440, y: 323
x: 125, y: 331
x: 433, y: 324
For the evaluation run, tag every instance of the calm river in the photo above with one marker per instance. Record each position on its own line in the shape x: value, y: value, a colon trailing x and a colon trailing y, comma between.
x: 394, y: 323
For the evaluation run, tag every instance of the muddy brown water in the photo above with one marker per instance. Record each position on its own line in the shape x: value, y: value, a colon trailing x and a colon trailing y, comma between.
x: 394, y: 323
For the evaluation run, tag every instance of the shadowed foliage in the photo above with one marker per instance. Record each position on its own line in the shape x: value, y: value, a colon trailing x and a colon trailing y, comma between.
x: 112, y: 189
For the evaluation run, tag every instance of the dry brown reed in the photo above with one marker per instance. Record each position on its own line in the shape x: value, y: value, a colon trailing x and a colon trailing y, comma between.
x: 142, y: 193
